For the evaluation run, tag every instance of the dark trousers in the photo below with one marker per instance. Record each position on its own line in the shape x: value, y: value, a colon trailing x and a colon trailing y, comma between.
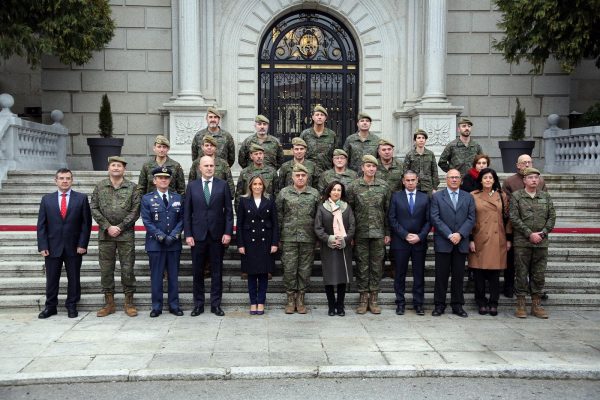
x: 493, y: 277
x: 447, y: 264
x: 159, y: 261
x: 213, y: 251
x: 341, y: 296
x: 257, y: 288
x: 53, y: 271
x: 509, y: 272
x: 401, y: 258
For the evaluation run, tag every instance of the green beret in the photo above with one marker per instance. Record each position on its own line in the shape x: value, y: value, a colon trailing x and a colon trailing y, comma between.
x: 530, y: 171
x: 363, y: 115
x: 383, y: 142
x: 367, y: 158
x: 299, y: 168
x: 321, y: 109
x: 340, y: 152
x: 160, y: 139
x: 420, y: 132
x: 256, y: 147
x: 210, y: 139
x: 213, y: 110
x: 261, y: 118
x: 113, y: 159
x: 465, y: 121
x: 162, y: 171
x: 299, y: 142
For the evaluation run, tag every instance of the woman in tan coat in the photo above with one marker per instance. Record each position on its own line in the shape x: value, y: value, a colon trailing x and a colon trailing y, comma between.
x: 490, y: 239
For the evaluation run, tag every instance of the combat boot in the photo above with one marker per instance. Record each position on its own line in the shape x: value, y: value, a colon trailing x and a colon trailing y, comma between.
x: 290, y: 306
x: 373, y: 306
x: 129, y: 307
x: 109, y: 305
x: 536, y: 307
x: 362, y: 303
x: 300, y: 307
x: 520, y: 312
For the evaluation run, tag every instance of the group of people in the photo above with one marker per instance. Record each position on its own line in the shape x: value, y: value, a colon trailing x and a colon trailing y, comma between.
x: 354, y: 200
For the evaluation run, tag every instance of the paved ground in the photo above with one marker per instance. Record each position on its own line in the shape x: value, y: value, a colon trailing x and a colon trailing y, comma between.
x: 119, y: 348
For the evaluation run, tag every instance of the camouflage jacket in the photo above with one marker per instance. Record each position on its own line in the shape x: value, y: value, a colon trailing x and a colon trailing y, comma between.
x: 225, y: 145
x: 357, y: 148
x: 458, y: 156
x: 330, y: 175
x: 370, y: 203
x: 222, y: 171
x: 285, y: 173
x: 273, y: 151
x: 425, y: 167
x: 296, y: 214
x: 320, y: 148
x: 392, y: 176
x: 116, y: 207
x: 146, y: 179
x: 529, y: 215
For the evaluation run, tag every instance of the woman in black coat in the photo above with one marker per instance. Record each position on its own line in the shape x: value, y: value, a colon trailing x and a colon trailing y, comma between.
x: 334, y: 226
x: 257, y: 238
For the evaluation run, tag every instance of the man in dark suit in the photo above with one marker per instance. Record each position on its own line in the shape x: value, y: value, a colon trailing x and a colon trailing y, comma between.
x: 63, y: 233
x: 409, y: 223
x: 208, y: 226
x: 162, y: 213
x: 453, y: 217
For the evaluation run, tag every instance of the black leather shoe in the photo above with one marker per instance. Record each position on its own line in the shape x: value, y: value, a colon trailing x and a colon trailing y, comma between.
x: 400, y: 310
x: 197, y: 311
x: 176, y: 311
x: 493, y: 311
x: 419, y: 310
x: 437, y: 311
x: 341, y: 312
x: 72, y: 313
x: 217, y: 311
x: 155, y: 313
x: 544, y: 296
x: 331, y: 312
x: 483, y: 310
x: 460, y: 312
x: 46, y: 313
x: 509, y: 292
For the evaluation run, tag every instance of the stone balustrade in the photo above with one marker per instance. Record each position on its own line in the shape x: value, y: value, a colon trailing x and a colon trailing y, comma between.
x: 27, y: 145
x: 575, y: 151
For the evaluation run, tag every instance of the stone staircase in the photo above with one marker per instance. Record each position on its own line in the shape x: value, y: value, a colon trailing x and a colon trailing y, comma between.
x: 573, y: 274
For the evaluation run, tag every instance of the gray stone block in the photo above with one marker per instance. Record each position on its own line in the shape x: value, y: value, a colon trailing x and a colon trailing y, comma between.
x: 510, y: 85
x: 467, y: 85
x: 551, y: 85
x: 458, y: 64
x: 158, y: 17
x: 150, y: 82
x: 459, y: 21
x: 56, y: 101
x: 469, y: 4
x: 359, y: 371
x: 90, y: 123
x: 145, y: 125
x: 159, y: 60
x: 125, y: 60
x: 72, y: 122
x: 61, y: 80
x: 15, y: 64
x: 124, y: 102
x: 530, y: 104
x: 135, y: 145
x: 82, y: 376
x: 97, y: 62
x: 178, y: 374
x: 465, y: 43
x: 104, y: 81
x: 273, y: 372
x: 156, y: 101
x: 159, y: 39
x: 489, y: 64
x: 52, y: 62
x: 119, y: 39
x: 500, y: 127
x: 486, y: 21
x: 489, y: 106
x: 556, y: 105
x: 161, y: 3
x: 128, y: 17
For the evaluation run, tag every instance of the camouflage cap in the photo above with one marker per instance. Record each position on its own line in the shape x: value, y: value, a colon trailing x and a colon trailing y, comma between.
x: 367, y: 158
x: 256, y: 147
x: 299, y: 142
x: 120, y: 159
x: 210, y: 139
x: 340, y: 152
x: 464, y: 120
x: 321, y: 109
x: 160, y: 139
x: 420, y: 132
x: 363, y: 115
x: 162, y: 171
x: 384, y: 142
x: 213, y: 110
x: 531, y: 171
x: 261, y: 118
x: 299, y: 168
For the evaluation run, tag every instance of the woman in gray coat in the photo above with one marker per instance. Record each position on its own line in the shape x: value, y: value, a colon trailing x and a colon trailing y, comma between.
x: 334, y: 226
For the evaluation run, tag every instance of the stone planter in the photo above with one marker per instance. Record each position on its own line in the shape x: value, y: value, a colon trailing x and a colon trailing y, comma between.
x: 102, y: 148
x: 511, y: 150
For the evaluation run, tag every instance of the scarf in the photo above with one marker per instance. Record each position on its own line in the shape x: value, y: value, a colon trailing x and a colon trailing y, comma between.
x: 474, y: 173
x: 336, y: 208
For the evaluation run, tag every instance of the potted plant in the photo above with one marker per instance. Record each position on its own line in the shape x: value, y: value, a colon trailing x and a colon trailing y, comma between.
x: 105, y: 146
x: 513, y: 148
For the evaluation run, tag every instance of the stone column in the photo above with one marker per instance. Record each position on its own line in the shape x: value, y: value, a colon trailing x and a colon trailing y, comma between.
x: 189, y: 51
x: 435, y: 52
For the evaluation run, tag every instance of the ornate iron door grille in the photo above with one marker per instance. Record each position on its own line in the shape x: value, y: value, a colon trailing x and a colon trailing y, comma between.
x: 308, y: 58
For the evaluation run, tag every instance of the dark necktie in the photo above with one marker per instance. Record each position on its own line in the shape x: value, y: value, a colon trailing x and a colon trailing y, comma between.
x: 411, y: 203
x: 206, y: 192
x: 63, y: 206
x: 454, y: 199
x: 165, y: 200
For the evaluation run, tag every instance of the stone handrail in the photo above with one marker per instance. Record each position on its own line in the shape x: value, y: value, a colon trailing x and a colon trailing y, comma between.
x: 27, y: 145
x: 574, y: 151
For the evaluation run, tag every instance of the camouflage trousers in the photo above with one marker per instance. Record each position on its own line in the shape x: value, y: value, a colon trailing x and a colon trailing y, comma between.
x: 530, y: 264
x: 369, y: 255
x: 107, y: 258
x: 297, y: 260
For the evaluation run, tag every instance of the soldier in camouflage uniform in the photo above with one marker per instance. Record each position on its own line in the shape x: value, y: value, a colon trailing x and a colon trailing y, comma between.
x: 320, y: 141
x: 389, y: 169
x: 533, y: 216
x: 369, y: 197
x: 422, y: 161
x: 296, y: 209
x: 222, y: 170
x: 258, y: 167
x: 161, y: 159
x: 361, y: 143
x: 340, y: 171
x: 285, y: 172
x: 225, y: 144
x: 271, y: 145
x: 115, y: 206
x: 460, y: 152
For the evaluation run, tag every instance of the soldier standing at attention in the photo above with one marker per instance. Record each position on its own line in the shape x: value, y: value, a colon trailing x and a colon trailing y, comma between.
x: 296, y: 209
x: 361, y: 143
x: 285, y: 172
x: 161, y: 159
x: 225, y: 145
x: 321, y: 141
x: 533, y: 216
x: 460, y: 152
x: 115, y: 206
x: 389, y: 169
x: 273, y: 152
x: 257, y: 167
x: 422, y: 161
x: 369, y: 197
x: 340, y: 171
x: 222, y: 170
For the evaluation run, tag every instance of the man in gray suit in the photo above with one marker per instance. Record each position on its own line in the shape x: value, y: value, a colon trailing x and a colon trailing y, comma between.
x: 453, y: 216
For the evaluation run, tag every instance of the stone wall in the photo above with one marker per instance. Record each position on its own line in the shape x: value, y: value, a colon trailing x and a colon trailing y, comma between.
x: 24, y: 84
